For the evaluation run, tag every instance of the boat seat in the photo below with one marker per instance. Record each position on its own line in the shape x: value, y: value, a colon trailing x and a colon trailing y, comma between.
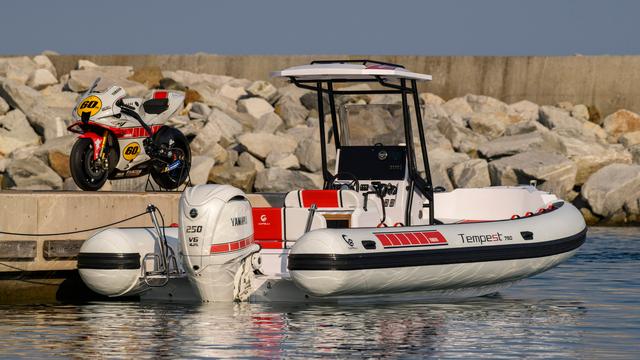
x: 340, y: 208
x: 331, y: 199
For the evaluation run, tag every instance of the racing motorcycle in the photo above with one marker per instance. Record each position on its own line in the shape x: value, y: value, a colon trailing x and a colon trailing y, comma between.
x: 124, y: 137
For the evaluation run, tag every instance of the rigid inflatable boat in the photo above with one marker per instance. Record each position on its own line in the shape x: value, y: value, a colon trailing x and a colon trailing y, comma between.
x: 379, y: 228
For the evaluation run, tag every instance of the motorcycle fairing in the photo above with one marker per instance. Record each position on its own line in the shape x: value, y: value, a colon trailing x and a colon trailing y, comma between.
x: 97, y: 142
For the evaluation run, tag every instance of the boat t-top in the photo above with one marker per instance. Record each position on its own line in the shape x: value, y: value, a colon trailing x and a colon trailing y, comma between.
x: 378, y: 229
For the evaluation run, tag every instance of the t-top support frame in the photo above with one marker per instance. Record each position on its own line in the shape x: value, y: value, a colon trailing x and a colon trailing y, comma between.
x: 404, y: 88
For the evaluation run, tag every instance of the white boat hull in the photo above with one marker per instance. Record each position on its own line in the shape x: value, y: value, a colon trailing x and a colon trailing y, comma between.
x: 428, y: 262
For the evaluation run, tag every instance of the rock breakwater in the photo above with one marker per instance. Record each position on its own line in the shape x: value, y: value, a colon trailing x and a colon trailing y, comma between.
x: 262, y: 136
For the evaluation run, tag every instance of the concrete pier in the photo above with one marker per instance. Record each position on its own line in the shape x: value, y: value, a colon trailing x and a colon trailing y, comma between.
x: 37, y: 268
x: 43, y: 268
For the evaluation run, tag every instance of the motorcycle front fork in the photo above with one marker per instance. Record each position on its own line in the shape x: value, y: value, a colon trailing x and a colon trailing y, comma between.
x: 105, y: 137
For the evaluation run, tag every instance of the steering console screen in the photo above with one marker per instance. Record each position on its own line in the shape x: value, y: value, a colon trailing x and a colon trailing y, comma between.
x: 373, y: 162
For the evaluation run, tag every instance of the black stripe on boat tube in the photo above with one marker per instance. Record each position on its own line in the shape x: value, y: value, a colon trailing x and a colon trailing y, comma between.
x: 397, y: 259
x: 109, y: 261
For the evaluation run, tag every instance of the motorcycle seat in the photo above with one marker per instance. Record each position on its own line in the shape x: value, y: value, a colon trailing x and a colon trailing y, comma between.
x: 155, y: 106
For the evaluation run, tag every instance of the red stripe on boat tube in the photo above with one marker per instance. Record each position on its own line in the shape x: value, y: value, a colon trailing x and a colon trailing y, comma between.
x: 384, y: 239
x: 322, y: 198
x: 411, y: 239
x: 232, y: 246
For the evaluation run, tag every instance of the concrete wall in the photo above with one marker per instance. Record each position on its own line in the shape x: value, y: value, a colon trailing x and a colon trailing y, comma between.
x: 37, y: 212
x: 609, y: 82
x: 46, y: 212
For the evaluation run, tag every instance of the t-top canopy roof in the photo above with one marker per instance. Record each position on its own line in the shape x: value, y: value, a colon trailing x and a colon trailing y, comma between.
x: 349, y: 69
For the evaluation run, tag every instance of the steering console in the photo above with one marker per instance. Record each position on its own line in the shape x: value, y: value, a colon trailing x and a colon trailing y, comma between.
x: 354, y: 184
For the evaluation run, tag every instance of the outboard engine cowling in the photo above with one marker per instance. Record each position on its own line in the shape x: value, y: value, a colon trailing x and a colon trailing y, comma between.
x: 216, y: 235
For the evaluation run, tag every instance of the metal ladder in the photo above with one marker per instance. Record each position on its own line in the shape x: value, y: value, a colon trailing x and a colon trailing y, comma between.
x: 165, y: 262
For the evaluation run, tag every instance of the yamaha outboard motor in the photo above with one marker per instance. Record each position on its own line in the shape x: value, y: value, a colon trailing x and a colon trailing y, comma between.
x: 216, y: 239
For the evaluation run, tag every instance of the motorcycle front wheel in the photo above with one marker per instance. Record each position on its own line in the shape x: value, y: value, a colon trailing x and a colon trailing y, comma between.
x: 174, y: 173
x: 88, y: 174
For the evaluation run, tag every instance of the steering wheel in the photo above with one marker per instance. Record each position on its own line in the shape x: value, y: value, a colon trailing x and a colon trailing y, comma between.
x: 354, y: 184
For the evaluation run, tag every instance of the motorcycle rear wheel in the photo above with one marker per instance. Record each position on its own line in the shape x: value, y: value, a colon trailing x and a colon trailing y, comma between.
x: 87, y: 173
x: 172, y: 179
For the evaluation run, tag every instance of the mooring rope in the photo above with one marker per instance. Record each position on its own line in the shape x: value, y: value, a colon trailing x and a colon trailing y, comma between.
x: 78, y: 231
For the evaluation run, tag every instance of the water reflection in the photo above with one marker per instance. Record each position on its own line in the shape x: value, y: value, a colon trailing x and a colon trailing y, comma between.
x: 587, y: 307
x: 505, y: 327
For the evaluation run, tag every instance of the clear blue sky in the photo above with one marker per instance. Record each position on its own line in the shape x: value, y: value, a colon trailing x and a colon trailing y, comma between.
x: 448, y: 27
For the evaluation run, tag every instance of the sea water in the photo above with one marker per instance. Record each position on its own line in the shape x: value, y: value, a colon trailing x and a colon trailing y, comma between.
x: 588, y: 307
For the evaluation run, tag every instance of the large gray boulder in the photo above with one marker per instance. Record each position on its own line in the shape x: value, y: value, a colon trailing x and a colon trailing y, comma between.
x: 41, y: 78
x: 249, y: 161
x: 525, y: 109
x: 30, y: 102
x: 580, y: 112
x: 15, y: 132
x: 630, y: 139
x: 240, y: 177
x: 514, y: 144
x: 434, y: 139
x: 261, y: 144
x: 308, y: 153
x: 232, y: 92
x: 614, y: 189
x: 561, y: 121
x: 302, y: 132
x: 292, y: 91
x: 461, y: 138
x: 55, y: 152
x: 17, y: 68
x: 552, y: 171
x: 201, y: 109
x: 282, y: 160
x: 227, y: 127
x: 4, y: 106
x: 524, y: 127
x: 291, y: 111
x: 310, y: 101
x: 254, y: 106
x: 457, y: 107
x: 31, y: 173
x: 56, y: 97
x: 269, y: 123
x: 620, y: 122
x: 200, y: 169
x: 491, y: 125
x: 429, y: 98
x: 206, y: 138
x: 43, y: 62
x: 589, y: 157
x: 263, y: 89
x: 483, y: 103
x: 635, y: 154
x: 473, y: 173
x: 441, y: 161
x: 281, y: 180
x: 209, y: 95
x: 432, y: 114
